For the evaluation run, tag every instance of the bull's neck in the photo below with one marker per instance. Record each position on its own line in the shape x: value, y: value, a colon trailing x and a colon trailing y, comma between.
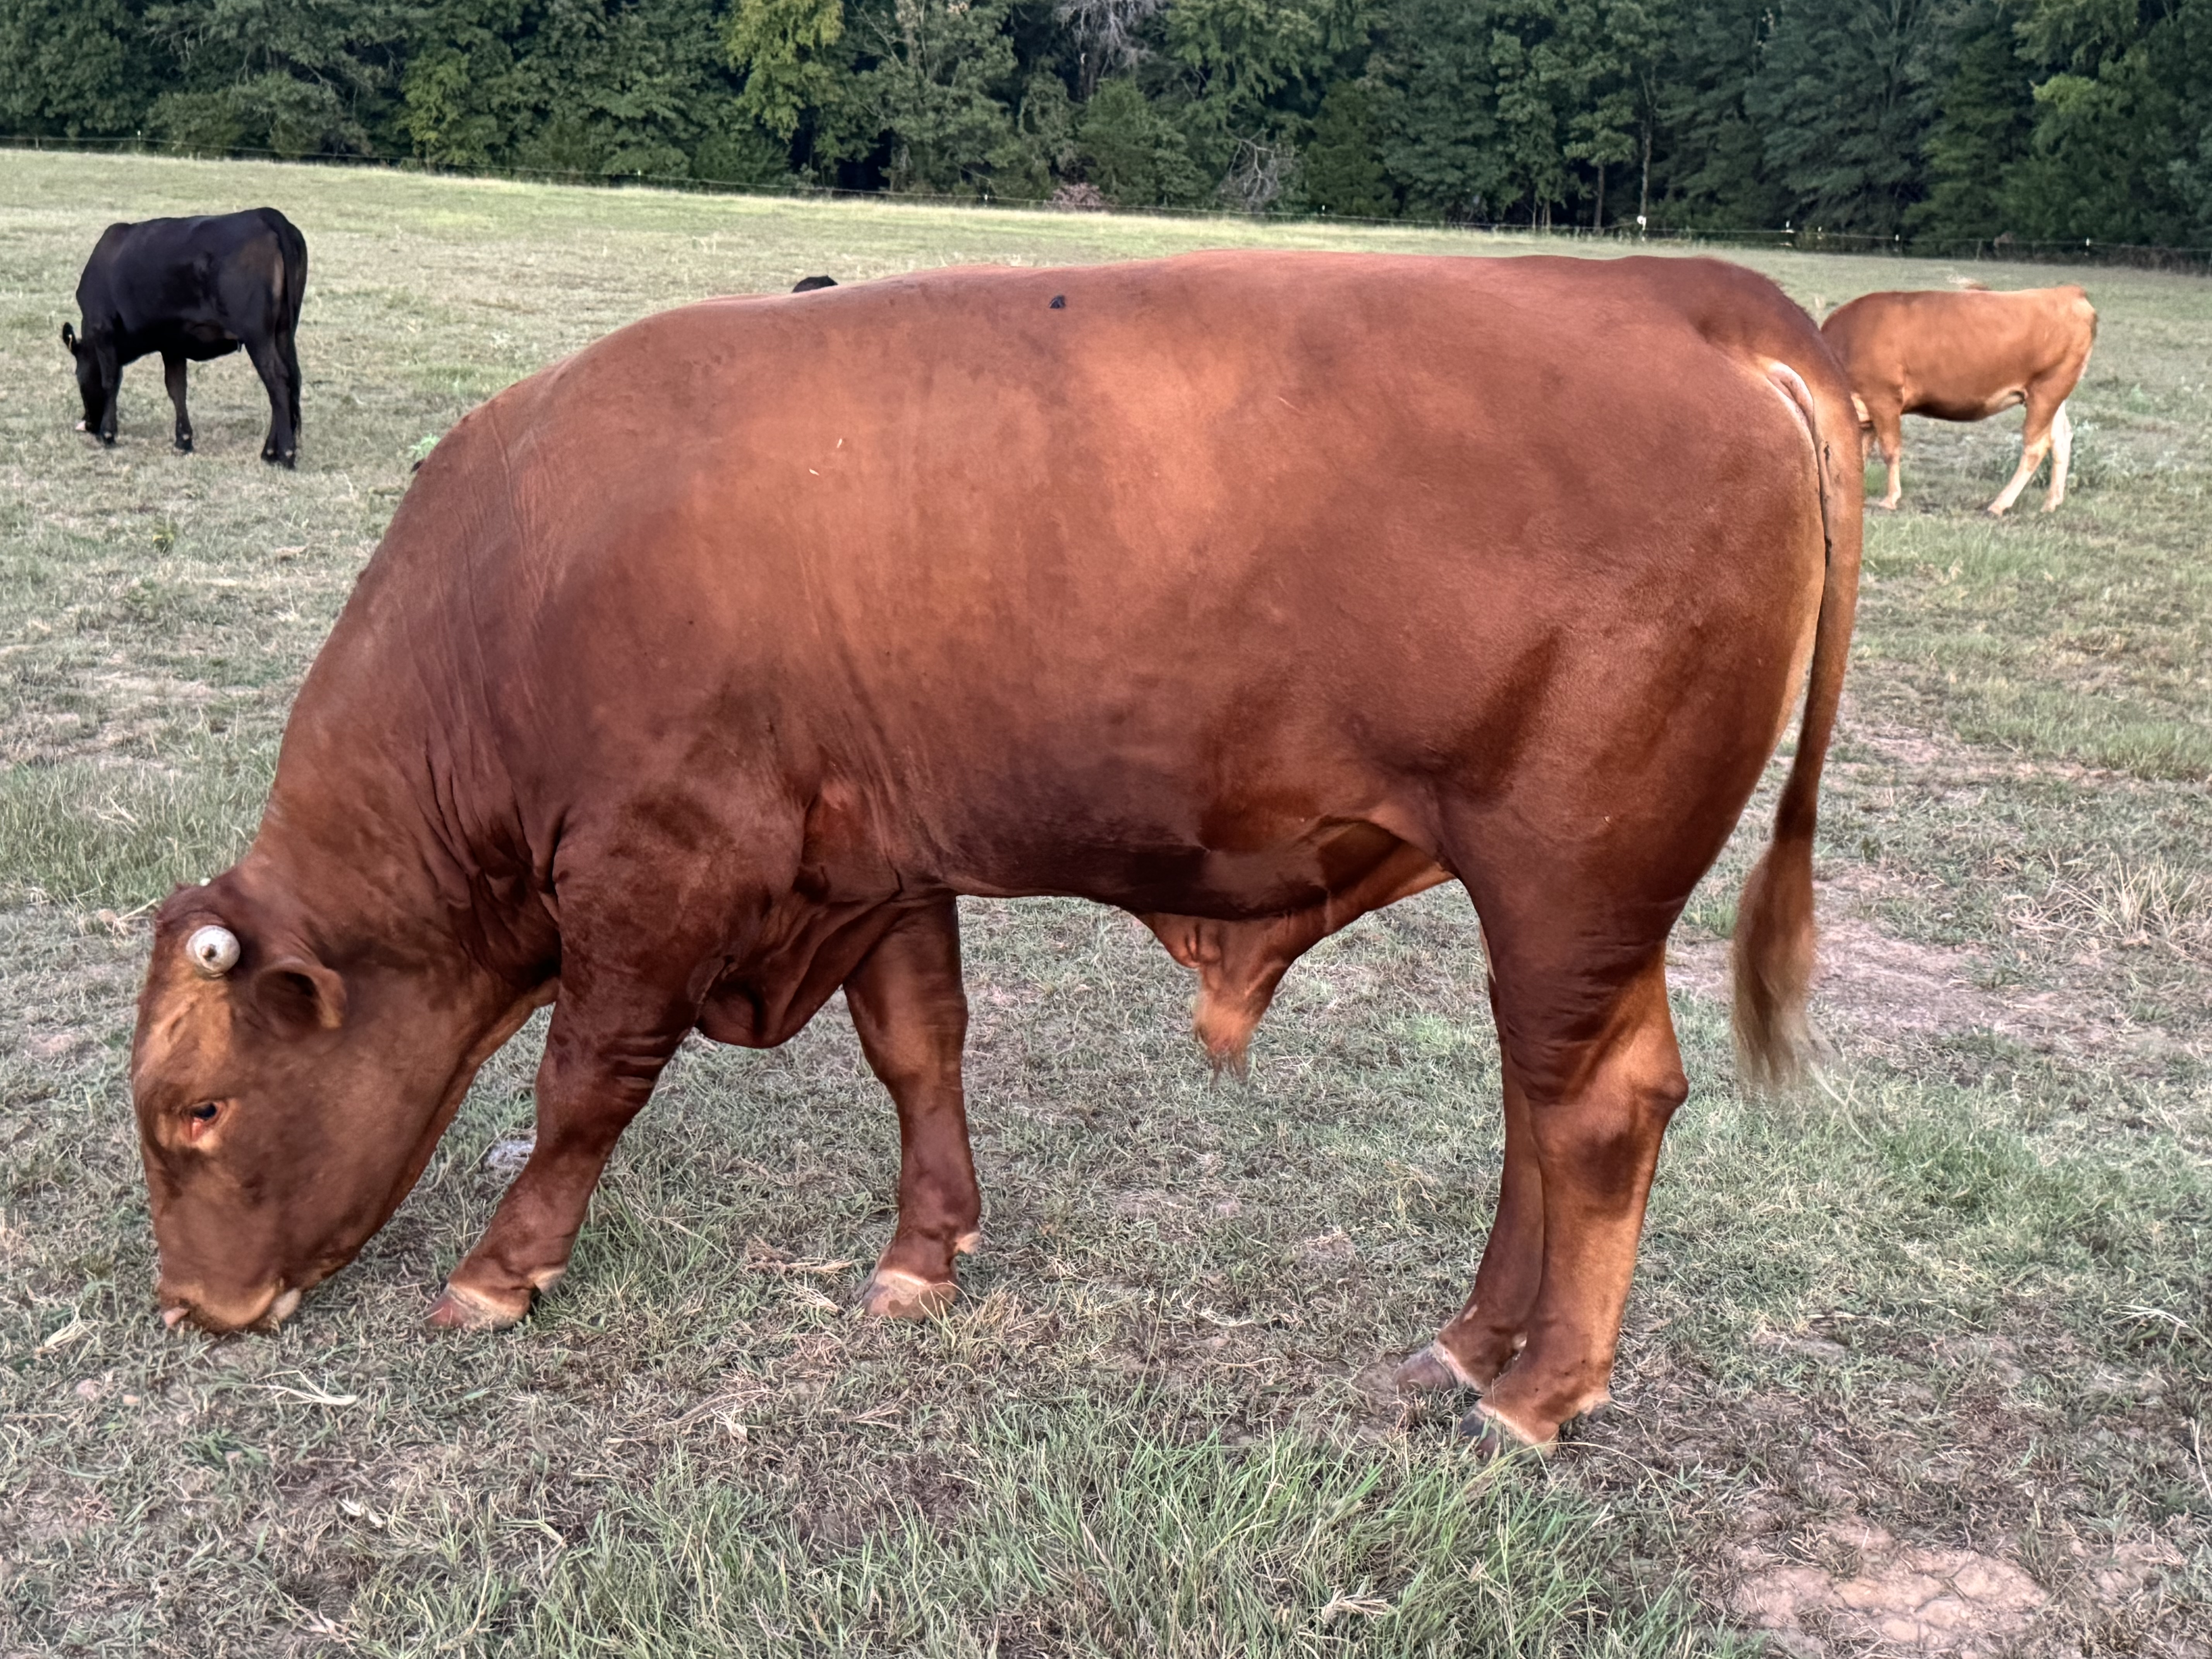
x: 381, y: 836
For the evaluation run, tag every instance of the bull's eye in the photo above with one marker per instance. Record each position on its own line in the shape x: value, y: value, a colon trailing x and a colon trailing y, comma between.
x: 205, y: 1111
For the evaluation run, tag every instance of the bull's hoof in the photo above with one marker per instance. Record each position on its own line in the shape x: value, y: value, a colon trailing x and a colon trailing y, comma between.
x: 1430, y: 1371
x: 460, y: 1308
x: 82, y: 427
x: 1492, y: 1436
x: 185, y: 445
x: 895, y: 1293
x: 1993, y: 512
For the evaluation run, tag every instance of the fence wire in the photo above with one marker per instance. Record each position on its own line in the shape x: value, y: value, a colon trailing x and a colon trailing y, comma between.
x: 1810, y: 240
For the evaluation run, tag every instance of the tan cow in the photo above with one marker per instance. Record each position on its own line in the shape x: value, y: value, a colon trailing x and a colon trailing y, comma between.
x: 698, y: 674
x: 1965, y: 356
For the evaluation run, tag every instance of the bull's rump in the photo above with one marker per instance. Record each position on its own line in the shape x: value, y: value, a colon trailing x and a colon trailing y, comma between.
x: 1137, y: 595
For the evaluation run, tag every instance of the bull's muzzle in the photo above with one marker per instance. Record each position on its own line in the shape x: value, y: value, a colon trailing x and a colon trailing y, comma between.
x: 264, y: 1312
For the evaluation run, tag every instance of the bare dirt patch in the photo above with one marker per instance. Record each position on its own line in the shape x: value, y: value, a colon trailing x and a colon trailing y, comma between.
x: 1863, y: 1587
x: 1871, y: 984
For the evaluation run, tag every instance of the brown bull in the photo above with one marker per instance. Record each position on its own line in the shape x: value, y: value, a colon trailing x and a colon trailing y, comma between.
x: 698, y: 674
x: 1967, y: 357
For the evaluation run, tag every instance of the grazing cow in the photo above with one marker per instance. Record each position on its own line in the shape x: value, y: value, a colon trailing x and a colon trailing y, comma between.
x: 699, y: 674
x: 193, y: 290
x: 811, y: 284
x: 1964, y: 356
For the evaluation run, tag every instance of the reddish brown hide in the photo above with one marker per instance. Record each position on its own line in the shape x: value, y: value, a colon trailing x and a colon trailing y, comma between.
x: 699, y: 674
x: 1965, y: 357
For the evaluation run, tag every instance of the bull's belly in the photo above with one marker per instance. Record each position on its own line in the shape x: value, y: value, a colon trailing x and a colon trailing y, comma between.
x: 1311, y: 866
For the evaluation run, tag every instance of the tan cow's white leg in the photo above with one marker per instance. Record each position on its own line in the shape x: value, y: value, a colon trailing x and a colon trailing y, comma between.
x: 1886, y: 430
x: 2062, y: 457
x: 2033, y: 447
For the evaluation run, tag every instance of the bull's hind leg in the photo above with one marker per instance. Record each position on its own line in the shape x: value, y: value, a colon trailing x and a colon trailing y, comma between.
x: 911, y: 1012
x: 172, y: 376
x: 1483, y: 1336
x: 1594, y: 1059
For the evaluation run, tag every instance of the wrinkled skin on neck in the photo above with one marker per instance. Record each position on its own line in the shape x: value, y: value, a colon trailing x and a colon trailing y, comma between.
x: 287, y: 1106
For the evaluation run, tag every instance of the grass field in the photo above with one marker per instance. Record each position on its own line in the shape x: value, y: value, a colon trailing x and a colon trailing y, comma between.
x: 1924, y: 1356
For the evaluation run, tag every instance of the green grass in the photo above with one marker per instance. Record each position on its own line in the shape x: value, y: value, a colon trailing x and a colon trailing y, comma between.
x: 1957, y: 1294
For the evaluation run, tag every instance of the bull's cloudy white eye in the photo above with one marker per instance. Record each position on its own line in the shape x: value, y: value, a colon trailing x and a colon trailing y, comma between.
x: 214, y: 950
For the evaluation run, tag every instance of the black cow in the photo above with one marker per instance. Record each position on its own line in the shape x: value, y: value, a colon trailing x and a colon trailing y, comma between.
x: 810, y: 284
x: 192, y: 290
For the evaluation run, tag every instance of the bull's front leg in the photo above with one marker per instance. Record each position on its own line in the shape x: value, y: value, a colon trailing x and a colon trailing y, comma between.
x: 910, y: 1007
x: 602, y: 1059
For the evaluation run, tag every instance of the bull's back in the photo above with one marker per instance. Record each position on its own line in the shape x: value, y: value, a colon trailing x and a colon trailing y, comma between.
x: 1180, y: 554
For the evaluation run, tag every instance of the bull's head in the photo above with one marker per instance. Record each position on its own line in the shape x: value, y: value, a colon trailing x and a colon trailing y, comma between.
x: 88, y: 378
x: 288, y: 1093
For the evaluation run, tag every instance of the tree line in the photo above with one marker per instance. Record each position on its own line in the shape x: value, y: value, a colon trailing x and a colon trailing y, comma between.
x: 2030, y: 120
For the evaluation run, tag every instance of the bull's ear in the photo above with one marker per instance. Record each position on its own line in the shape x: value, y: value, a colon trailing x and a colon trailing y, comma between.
x: 300, y: 995
x: 69, y: 338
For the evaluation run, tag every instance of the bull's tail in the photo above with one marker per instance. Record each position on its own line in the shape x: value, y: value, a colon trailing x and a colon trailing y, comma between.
x: 1773, y: 944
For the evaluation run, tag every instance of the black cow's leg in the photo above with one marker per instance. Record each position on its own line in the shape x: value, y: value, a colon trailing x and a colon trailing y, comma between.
x: 172, y: 376
x: 281, y: 447
x: 911, y: 1012
x: 288, y: 350
x: 111, y: 390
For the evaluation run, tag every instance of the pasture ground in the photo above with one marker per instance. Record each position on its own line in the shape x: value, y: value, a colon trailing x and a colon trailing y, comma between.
x: 1921, y: 1358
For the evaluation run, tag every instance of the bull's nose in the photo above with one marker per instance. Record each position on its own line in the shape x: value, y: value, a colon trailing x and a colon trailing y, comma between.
x: 217, y: 1317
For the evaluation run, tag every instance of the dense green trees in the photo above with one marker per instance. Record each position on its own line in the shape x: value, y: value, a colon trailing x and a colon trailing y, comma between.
x: 2040, y: 120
